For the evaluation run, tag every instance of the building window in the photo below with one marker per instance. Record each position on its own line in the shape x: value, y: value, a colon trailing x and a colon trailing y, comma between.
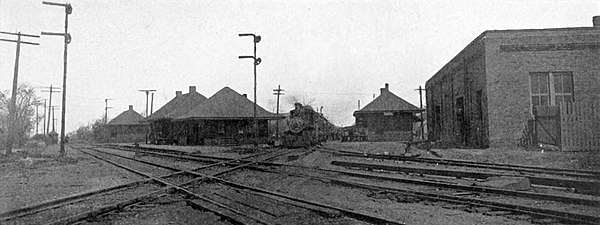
x: 551, y: 88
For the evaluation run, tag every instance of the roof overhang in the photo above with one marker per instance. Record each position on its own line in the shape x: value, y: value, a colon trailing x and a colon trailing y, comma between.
x: 231, y: 118
x: 387, y: 111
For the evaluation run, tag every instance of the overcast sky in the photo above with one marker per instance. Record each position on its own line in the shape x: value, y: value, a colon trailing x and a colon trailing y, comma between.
x: 336, y: 52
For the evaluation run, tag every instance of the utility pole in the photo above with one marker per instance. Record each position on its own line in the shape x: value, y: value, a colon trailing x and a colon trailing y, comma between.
x: 53, y: 120
x: 12, y: 129
x: 152, y: 104
x: 51, y: 91
x: 37, y: 119
x: 147, y: 93
x: 67, y: 40
x: 420, y: 89
x: 106, y: 110
x: 256, y: 63
x: 278, y: 93
x: 44, y: 117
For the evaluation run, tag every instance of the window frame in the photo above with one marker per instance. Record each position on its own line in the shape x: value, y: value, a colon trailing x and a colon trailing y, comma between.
x: 551, y: 93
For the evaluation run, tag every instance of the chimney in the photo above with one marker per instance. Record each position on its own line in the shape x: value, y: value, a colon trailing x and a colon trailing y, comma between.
x: 177, y: 93
x: 192, y: 89
x: 130, y: 107
x: 596, y: 21
x: 386, y: 88
x: 245, y: 95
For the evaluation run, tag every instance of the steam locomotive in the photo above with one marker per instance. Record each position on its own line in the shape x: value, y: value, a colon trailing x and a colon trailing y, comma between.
x: 306, y: 127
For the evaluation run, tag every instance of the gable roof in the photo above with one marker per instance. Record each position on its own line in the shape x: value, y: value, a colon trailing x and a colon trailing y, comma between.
x: 178, y: 106
x: 227, y: 104
x: 388, y: 101
x: 128, y: 117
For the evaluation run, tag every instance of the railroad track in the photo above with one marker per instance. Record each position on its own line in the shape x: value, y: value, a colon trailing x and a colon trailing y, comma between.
x: 63, y: 207
x: 574, y: 199
x: 581, y: 181
x: 497, y: 204
x: 592, y: 174
x: 178, y: 181
x: 453, y: 195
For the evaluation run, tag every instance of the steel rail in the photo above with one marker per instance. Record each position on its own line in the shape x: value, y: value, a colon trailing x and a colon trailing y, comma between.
x: 531, y: 195
x: 43, y: 206
x: 84, y: 215
x: 50, y: 204
x: 133, y: 148
x: 549, y: 213
x: 509, y: 167
x: 349, y: 213
x: 579, y: 185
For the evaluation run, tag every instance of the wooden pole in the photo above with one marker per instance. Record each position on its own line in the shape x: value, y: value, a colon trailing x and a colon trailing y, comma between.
x: 13, y: 101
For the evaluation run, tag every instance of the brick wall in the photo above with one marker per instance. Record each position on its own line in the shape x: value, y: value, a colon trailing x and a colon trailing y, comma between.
x: 512, y: 55
x: 460, y: 82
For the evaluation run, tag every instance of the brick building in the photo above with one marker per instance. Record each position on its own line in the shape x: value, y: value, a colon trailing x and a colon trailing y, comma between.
x: 486, y: 94
x: 387, y: 118
x: 127, y: 127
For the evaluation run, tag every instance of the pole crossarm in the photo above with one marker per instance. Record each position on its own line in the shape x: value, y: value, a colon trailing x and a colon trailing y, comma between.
x: 257, y: 60
x: 19, y: 39
x: 22, y: 42
x: 68, y: 8
x: 53, y: 34
x: 24, y: 35
x: 55, y: 4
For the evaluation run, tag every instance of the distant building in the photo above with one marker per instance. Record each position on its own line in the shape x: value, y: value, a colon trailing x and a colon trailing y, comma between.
x: 224, y: 118
x: 127, y: 127
x: 486, y: 94
x: 387, y: 118
x: 164, y: 130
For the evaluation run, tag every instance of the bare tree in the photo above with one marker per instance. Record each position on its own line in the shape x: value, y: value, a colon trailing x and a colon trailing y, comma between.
x: 25, y: 112
x: 305, y: 100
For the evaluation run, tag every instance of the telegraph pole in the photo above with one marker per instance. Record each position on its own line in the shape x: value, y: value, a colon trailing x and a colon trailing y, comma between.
x: 50, y: 91
x: 37, y: 119
x: 420, y: 89
x: 278, y: 93
x: 12, y: 129
x: 53, y: 120
x: 67, y: 40
x: 256, y: 63
x: 44, y: 117
x: 147, y: 93
x: 152, y: 104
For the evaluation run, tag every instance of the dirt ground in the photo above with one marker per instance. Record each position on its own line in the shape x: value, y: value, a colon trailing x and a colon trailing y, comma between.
x: 50, y: 177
